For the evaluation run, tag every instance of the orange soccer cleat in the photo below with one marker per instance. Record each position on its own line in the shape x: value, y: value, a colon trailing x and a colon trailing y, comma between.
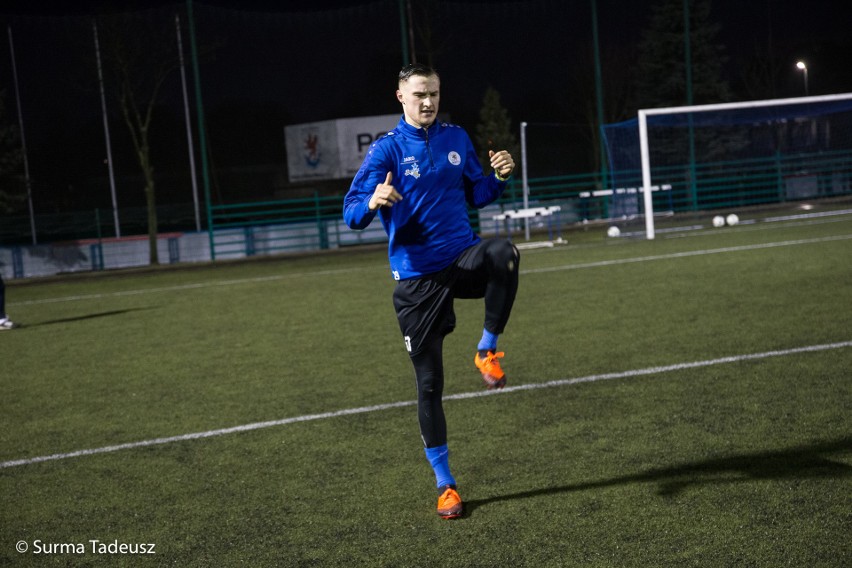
x: 492, y: 375
x: 449, y: 503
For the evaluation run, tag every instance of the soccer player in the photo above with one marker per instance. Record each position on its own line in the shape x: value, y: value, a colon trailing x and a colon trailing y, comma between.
x: 419, y: 180
x: 5, y: 322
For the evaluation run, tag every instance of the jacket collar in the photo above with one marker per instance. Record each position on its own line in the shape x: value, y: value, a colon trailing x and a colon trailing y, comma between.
x: 415, y: 132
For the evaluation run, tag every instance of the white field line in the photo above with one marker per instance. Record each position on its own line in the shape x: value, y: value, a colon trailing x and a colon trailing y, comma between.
x: 817, y: 215
x: 197, y: 285
x: 460, y: 396
x: 348, y: 270
x: 686, y: 254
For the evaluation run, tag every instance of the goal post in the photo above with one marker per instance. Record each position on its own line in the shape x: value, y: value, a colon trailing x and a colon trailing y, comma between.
x: 754, y: 148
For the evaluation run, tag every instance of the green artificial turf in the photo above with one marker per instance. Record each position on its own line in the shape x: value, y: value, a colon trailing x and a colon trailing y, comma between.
x: 712, y: 459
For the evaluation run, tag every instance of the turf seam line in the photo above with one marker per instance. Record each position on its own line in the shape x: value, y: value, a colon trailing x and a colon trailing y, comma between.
x: 276, y: 277
x: 459, y: 396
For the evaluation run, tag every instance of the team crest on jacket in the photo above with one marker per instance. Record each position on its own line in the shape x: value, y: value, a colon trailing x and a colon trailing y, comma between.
x: 454, y: 158
x: 413, y: 171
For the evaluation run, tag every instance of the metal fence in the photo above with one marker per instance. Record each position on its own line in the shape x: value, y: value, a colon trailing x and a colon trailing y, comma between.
x: 739, y: 183
x: 84, y: 240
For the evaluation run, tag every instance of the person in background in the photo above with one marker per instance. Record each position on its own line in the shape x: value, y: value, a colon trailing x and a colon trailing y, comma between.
x: 420, y: 179
x: 5, y: 322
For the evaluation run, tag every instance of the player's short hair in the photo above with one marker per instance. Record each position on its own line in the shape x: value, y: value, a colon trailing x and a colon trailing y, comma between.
x: 416, y: 69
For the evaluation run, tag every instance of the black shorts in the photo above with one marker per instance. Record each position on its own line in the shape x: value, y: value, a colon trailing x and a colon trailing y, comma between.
x: 424, y: 306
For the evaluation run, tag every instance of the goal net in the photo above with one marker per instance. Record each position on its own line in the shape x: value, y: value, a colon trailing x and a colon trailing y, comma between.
x: 720, y: 156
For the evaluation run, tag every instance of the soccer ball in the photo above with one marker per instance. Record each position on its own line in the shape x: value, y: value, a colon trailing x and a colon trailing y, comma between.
x: 613, y: 231
x: 732, y: 219
x: 718, y: 221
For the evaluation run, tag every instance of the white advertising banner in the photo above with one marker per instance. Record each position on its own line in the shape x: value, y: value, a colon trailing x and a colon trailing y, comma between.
x: 332, y: 149
x: 312, y: 151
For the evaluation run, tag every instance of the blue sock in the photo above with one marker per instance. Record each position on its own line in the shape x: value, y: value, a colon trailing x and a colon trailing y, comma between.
x: 439, y: 460
x: 488, y: 341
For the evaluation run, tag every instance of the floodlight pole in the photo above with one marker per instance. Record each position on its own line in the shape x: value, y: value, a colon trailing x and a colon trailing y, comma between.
x: 106, y: 133
x: 202, y: 133
x: 188, y: 127
x: 23, y: 139
x: 524, y: 184
x: 599, y: 95
x: 800, y: 65
x: 687, y: 54
x: 403, y: 27
x: 412, y: 49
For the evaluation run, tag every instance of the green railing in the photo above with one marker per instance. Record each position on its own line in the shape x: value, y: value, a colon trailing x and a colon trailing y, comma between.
x: 743, y: 183
x: 269, y: 227
x: 315, y: 223
x: 246, y: 229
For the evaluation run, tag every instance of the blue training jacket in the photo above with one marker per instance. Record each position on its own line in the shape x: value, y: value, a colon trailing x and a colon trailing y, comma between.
x: 438, y: 174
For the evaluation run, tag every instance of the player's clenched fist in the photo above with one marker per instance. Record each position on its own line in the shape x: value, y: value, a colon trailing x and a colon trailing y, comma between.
x: 385, y: 194
x: 502, y: 162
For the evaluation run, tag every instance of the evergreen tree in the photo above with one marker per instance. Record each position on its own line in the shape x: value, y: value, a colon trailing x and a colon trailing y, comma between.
x: 661, y: 80
x: 494, y: 131
x: 661, y: 69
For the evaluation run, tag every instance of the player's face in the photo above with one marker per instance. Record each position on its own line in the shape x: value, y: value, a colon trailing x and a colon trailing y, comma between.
x: 419, y: 97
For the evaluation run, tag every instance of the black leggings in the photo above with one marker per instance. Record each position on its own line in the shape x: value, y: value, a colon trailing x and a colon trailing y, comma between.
x: 429, y: 373
x: 487, y: 270
x: 490, y: 270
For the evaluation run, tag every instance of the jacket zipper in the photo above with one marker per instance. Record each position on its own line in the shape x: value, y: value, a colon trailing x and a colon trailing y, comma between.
x: 428, y: 147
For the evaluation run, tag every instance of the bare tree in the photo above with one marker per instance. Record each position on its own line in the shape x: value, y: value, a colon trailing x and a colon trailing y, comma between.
x: 140, y: 52
x: 582, y: 108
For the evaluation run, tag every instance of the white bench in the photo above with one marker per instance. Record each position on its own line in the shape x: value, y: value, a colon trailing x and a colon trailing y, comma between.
x: 529, y: 213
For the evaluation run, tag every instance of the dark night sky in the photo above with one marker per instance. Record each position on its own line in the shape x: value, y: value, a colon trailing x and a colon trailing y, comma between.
x: 276, y: 63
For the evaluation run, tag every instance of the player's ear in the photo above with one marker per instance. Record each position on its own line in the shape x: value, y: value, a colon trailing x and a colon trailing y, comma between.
x: 399, y: 96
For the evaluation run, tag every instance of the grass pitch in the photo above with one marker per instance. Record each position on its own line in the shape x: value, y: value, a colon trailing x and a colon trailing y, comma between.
x: 677, y: 402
